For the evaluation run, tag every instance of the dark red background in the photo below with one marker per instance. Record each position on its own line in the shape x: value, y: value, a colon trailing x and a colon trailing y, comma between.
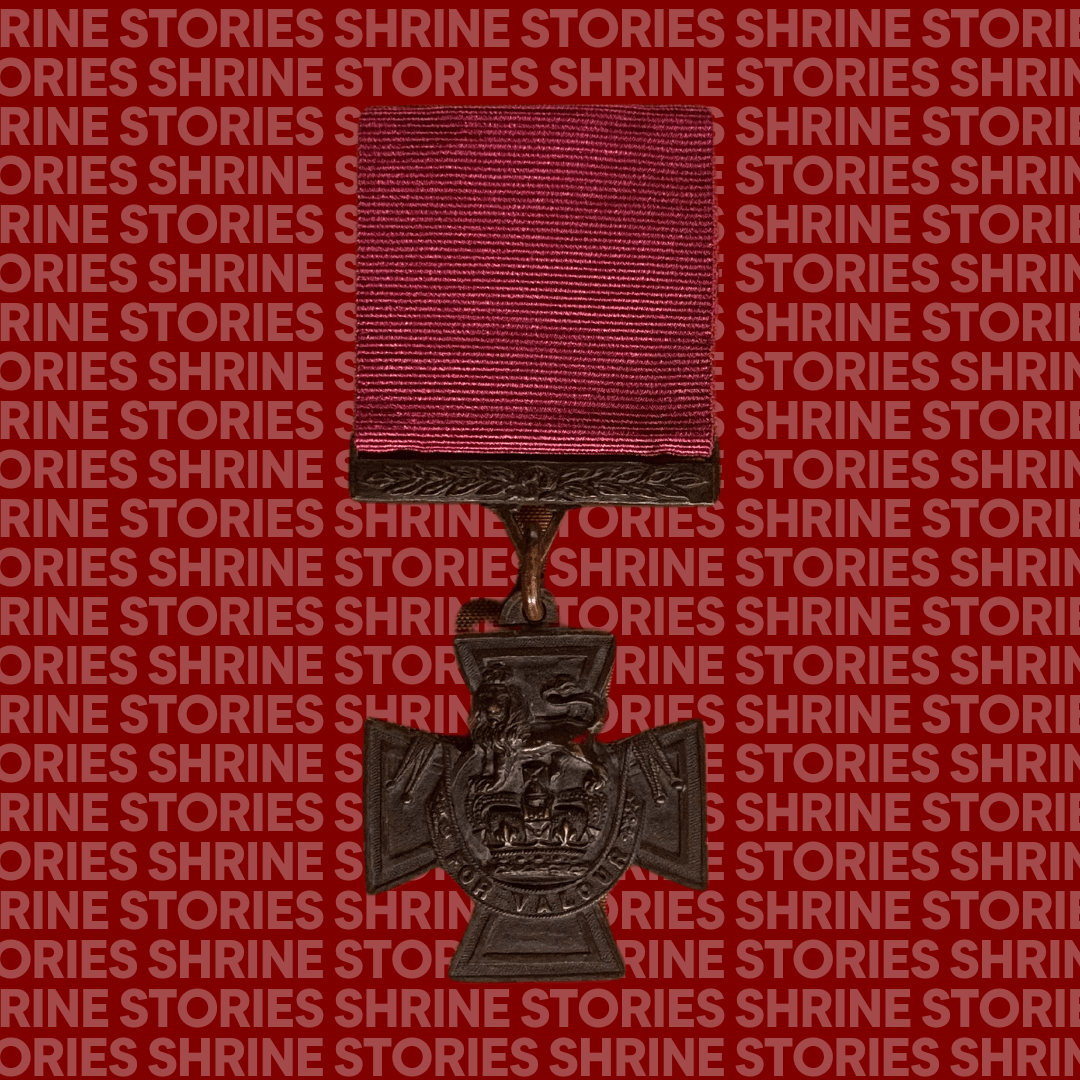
x: 89, y: 544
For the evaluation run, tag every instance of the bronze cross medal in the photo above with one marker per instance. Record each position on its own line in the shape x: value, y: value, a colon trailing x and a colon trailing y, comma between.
x: 532, y: 815
x: 534, y: 327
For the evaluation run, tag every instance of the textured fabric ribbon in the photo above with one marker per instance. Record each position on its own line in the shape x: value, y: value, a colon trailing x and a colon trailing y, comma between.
x: 535, y: 280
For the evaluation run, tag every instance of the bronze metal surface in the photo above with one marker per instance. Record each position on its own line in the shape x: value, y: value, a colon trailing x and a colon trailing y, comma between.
x: 532, y: 815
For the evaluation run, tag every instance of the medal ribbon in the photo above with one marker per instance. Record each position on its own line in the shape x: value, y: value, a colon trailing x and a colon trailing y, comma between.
x: 535, y: 279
